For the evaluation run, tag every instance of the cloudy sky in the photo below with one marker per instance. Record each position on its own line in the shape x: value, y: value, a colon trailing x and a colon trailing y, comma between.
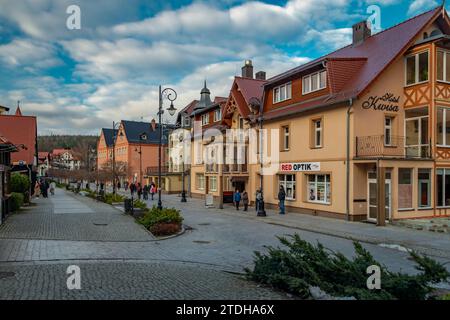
x: 77, y: 81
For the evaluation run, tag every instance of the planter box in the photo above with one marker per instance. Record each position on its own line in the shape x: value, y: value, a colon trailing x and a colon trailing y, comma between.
x: 138, y: 213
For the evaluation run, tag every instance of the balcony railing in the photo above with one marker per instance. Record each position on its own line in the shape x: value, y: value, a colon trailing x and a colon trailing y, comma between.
x: 235, y: 168
x: 391, y: 147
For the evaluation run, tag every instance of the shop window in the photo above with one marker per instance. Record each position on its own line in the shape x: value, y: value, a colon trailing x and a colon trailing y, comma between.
x: 443, y: 187
x: 319, y: 188
x: 416, y: 130
x: 417, y: 68
x: 443, y: 66
x: 314, y: 82
x: 288, y: 183
x: 200, y: 181
x: 424, y: 185
x: 405, y: 188
x: 282, y: 93
x: 388, y: 131
x: 213, y: 183
x: 443, y: 127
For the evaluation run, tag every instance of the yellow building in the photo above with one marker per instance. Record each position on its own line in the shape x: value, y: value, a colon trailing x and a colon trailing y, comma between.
x: 363, y: 130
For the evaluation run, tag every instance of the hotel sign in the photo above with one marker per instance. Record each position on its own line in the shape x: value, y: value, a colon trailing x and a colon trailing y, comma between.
x: 300, y: 167
x: 387, y: 102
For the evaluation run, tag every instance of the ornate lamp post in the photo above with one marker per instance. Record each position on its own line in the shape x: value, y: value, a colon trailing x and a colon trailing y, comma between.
x: 171, y: 95
x: 183, y: 192
x: 257, y: 108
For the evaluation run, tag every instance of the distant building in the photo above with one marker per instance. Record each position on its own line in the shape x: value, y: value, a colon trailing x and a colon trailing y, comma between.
x: 6, y: 149
x: 65, y: 159
x: 21, y: 131
x: 43, y: 163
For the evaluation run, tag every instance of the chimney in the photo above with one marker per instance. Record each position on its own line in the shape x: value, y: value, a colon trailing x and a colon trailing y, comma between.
x: 247, y: 69
x: 153, y: 123
x: 260, y: 75
x: 361, y: 31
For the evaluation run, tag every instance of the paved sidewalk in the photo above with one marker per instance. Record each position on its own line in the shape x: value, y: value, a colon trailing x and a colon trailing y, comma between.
x: 67, y: 216
x: 434, y: 244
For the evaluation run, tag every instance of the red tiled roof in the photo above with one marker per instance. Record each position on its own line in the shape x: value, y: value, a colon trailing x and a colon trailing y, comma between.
x: 250, y: 88
x: 20, y: 130
x: 352, y: 69
x: 57, y: 152
x: 219, y: 99
x: 42, y: 155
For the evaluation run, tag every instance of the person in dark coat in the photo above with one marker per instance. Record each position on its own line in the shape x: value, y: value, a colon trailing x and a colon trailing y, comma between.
x: 146, y: 190
x: 245, y: 200
x: 237, y: 198
x: 281, y: 199
x: 139, y: 190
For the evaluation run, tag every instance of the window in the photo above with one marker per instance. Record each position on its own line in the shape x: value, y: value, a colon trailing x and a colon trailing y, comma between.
x: 416, y: 132
x: 443, y: 127
x: 443, y: 187
x: 200, y: 181
x: 443, y: 66
x: 288, y: 183
x: 205, y: 119
x: 213, y: 183
x: 282, y: 93
x: 187, y: 121
x: 285, y: 137
x: 319, y: 188
x: 317, y: 133
x: 217, y: 115
x: 405, y: 188
x: 417, y: 68
x: 388, y: 131
x: 314, y: 82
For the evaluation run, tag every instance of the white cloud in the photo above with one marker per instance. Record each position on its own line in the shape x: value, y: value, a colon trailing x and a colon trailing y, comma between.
x: 418, y: 6
x: 28, y: 53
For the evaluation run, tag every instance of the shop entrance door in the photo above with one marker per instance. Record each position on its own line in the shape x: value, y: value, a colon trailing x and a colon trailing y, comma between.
x: 372, y: 189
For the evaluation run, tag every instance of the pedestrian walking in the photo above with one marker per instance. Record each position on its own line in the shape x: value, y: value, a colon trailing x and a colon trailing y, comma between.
x: 245, y: 200
x: 118, y: 185
x: 37, y: 189
x: 52, y: 188
x: 132, y: 189
x: 146, y: 190
x: 237, y: 199
x: 281, y: 199
x: 258, y: 199
x: 139, y: 190
x: 152, y: 190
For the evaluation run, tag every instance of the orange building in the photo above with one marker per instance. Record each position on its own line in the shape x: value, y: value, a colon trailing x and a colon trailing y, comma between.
x: 134, y: 145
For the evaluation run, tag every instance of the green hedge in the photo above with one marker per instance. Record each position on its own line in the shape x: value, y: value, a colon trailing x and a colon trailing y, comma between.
x: 17, y: 200
x: 20, y: 183
x: 156, y: 216
x: 300, y: 265
x: 110, y: 198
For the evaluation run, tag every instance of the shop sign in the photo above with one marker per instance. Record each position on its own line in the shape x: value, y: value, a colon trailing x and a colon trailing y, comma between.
x: 388, y: 102
x: 300, y: 166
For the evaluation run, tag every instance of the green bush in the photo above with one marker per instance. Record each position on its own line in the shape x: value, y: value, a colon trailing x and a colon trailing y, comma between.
x: 111, y: 198
x: 156, y: 216
x: 446, y: 297
x: 17, y: 200
x: 140, y: 204
x: 301, y: 265
x: 20, y: 183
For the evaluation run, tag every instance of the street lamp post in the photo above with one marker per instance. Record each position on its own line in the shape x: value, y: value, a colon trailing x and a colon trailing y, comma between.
x: 142, y: 137
x: 170, y: 95
x: 115, y: 124
x: 257, y: 108
x: 183, y: 192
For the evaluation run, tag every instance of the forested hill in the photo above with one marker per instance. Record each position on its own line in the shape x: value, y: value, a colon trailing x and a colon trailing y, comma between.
x: 78, y: 143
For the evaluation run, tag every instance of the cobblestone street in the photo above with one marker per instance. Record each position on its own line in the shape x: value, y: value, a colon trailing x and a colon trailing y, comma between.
x: 119, y: 259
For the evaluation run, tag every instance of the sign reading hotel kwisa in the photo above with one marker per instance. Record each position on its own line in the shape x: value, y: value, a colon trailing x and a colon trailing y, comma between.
x: 387, y: 102
x: 300, y: 166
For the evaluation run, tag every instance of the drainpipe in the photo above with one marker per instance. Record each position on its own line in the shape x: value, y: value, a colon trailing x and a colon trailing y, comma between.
x: 347, y: 195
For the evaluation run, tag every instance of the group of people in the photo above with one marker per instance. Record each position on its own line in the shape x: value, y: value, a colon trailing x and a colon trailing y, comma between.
x: 238, y: 197
x: 142, y: 191
x: 43, y: 186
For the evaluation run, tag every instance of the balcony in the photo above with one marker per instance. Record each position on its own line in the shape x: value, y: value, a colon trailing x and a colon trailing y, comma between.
x: 235, y: 168
x: 380, y: 147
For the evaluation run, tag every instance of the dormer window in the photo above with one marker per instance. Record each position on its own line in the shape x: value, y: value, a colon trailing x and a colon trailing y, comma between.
x: 187, y: 121
x: 282, y: 93
x: 217, y: 115
x: 314, y: 82
x: 205, y: 119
